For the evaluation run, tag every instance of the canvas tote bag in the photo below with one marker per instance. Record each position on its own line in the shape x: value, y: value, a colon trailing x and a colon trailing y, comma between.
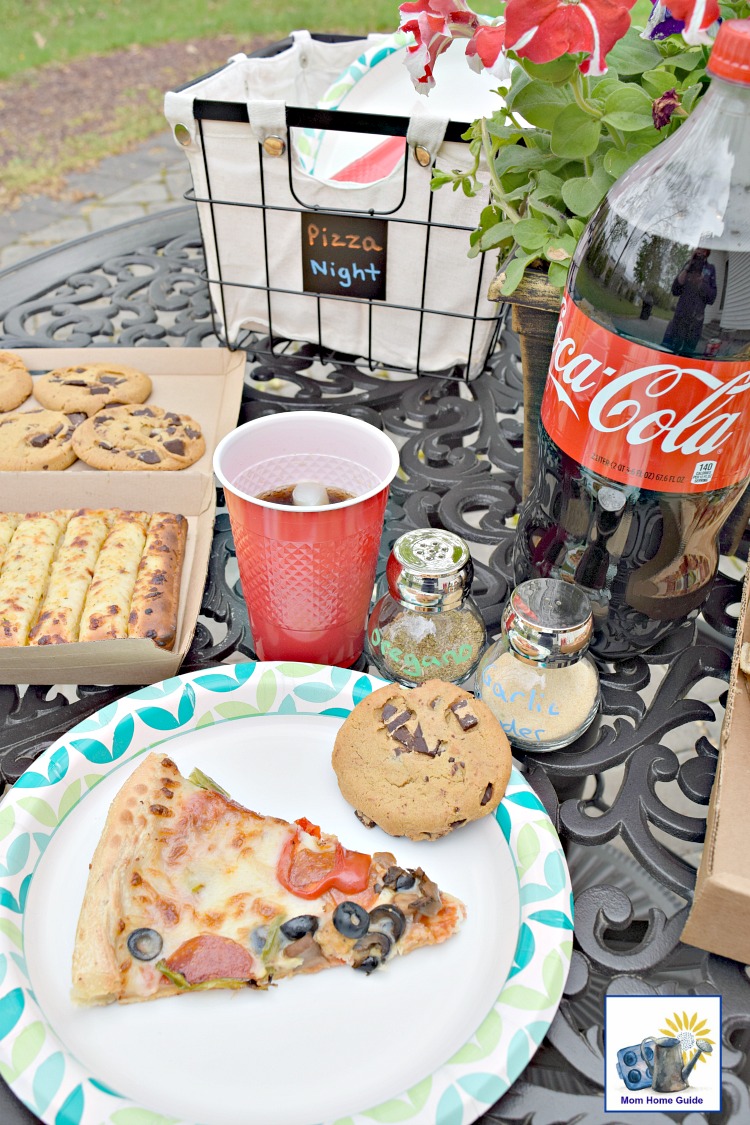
x: 434, y: 313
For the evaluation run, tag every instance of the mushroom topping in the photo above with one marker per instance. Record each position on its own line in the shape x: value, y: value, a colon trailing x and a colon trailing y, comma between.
x: 370, y: 951
x: 389, y: 920
x: 428, y: 901
x: 299, y: 926
x: 398, y: 879
x: 307, y: 950
x: 351, y: 920
x: 145, y: 944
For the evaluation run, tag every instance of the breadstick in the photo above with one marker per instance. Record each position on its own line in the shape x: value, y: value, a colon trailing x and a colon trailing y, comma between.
x: 26, y: 572
x: 153, y: 612
x: 60, y: 616
x: 105, y: 611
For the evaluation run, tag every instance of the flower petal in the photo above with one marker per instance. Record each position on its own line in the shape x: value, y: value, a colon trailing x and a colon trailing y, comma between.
x: 698, y: 16
x: 543, y: 30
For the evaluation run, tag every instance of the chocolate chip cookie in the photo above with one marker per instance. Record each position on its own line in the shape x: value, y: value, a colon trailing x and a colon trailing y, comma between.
x: 37, y: 439
x: 90, y: 387
x: 15, y: 381
x: 420, y: 762
x: 139, y: 437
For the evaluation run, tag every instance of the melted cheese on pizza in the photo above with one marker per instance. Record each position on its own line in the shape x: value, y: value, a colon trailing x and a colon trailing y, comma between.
x: 26, y: 572
x: 197, y: 877
x: 72, y: 571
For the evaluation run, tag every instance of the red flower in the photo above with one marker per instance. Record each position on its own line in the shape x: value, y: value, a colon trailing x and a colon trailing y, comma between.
x: 697, y: 15
x: 434, y: 24
x: 543, y: 30
x: 487, y: 50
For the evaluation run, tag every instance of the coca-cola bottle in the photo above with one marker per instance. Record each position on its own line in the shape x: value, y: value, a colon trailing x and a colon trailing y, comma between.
x: 645, y: 422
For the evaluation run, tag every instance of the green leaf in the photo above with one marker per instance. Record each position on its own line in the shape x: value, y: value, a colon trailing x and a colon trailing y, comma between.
x: 560, y: 248
x: 514, y: 272
x: 628, y: 98
x: 583, y: 195
x: 556, y: 72
x: 627, y: 122
x: 576, y: 228
x: 531, y: 234
x: 690, y: 96
x: 203, y: 781
x: 618, y: 160
x: 687, y: 60
x: 633, y: 55
x: 11, y: 931
x: 495, y: 235
x: 518, y: 158
x: 574, y: 135
x: 540, y: 104
x: 557, y: 275
x: 657, y: 82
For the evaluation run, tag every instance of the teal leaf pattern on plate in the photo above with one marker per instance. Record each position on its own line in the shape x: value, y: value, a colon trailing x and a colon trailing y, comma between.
x: 47, y: 1080
x: 71, y: 1111
x: 459, y: 1091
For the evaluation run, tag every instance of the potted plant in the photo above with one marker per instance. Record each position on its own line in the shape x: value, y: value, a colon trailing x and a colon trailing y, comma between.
x: 585, y: 92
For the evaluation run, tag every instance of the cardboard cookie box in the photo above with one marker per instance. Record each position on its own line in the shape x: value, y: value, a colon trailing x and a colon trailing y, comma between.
x: 206, y: 384
x: 720, y: 917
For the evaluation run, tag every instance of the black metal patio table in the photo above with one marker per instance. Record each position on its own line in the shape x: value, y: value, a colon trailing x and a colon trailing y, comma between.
x: 622, y: 798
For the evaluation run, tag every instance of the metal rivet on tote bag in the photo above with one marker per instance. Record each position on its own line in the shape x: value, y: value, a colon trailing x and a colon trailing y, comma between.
x: 274, y: 146
x: 182, y: 134
x: 422, y: 156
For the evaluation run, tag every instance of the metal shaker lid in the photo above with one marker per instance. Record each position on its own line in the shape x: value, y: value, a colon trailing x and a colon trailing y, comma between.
x: 429, y: 569
x: 548, y: 622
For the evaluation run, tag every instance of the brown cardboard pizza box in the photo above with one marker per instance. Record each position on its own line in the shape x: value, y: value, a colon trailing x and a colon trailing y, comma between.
x: 719, y: 920
x: 206, y: 384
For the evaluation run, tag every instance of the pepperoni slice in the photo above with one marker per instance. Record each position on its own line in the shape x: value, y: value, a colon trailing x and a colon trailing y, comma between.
x: 211, y: 957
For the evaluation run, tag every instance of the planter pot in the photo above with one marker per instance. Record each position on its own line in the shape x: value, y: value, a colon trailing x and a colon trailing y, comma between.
x: 535, y: 309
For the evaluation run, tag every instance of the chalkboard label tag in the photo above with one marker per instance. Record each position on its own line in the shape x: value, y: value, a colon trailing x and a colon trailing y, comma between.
x: 344, y: 254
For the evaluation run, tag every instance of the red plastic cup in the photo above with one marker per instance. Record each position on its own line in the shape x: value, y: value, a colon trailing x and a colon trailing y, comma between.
x: 307, y: 574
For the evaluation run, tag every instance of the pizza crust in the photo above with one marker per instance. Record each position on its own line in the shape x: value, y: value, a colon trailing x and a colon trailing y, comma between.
x: 97, y: 978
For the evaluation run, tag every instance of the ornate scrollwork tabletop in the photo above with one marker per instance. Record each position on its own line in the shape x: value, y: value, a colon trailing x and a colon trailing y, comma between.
x: 628, y: 799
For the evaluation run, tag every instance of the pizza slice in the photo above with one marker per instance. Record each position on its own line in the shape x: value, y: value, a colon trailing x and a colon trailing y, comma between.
x: 189, y: 890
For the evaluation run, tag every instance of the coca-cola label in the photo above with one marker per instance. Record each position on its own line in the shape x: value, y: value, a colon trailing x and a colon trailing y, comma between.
x: 645, y: 417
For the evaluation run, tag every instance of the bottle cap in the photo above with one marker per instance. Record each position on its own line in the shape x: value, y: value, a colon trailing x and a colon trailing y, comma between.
x: 429, y: 569
x: 730, y: 54
x: 548, y: 622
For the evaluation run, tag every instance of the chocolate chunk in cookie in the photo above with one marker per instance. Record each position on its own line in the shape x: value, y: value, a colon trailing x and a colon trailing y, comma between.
x: 36, y: 439
x: 91, y: 386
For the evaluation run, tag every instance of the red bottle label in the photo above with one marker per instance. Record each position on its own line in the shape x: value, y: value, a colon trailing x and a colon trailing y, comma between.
x: 645, y: 417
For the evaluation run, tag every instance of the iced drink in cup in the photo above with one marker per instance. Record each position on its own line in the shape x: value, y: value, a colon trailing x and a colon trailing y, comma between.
x: 307, y: 572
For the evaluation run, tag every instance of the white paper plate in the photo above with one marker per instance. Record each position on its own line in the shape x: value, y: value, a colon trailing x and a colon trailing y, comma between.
x: 436, y: 1037
x: 380, y: 83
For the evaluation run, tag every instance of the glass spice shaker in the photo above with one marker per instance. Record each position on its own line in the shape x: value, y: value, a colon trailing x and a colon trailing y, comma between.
x: 427, y: 626
x: 537, y: 679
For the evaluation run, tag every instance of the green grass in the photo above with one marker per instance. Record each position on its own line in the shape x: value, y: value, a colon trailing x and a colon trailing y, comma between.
x: 36, y: 32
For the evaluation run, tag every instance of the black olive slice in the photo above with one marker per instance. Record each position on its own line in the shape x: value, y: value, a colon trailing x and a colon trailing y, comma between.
x: 351, y: 920
x: 399, y: 879
x: 299, y: 926
x: 145, y: 944
x: 373, y: 947
x: 388, y: 919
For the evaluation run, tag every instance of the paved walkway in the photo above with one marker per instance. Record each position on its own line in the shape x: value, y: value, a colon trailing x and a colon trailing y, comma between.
x: 153, y: 177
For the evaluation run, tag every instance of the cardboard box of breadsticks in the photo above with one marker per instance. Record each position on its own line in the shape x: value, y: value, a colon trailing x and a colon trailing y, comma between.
x: 107, y: 503
x: 719, y: 920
